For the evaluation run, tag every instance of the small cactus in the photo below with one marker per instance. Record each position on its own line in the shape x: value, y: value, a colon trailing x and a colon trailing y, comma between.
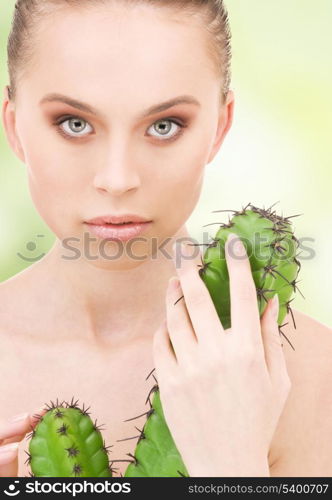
x: 271, y: 249
x: 66, y: 443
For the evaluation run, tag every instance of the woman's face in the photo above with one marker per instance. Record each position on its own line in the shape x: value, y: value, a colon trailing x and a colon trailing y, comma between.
x: 117, y: 160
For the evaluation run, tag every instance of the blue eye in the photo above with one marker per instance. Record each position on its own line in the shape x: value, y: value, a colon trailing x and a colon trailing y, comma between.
x: 164, y: 126
x: 74, y: 128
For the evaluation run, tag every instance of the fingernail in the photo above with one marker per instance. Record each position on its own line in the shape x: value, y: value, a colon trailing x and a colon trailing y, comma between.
x: 275, y: 306
x: 8, y: 447
x: 19, y: 417
x: 174, y: 284
x: 235, y: 246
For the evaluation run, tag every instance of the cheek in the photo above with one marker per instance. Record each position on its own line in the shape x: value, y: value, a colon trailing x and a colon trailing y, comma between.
x: 52, y: 170
x: 183, y: 185
x: 51, y: 187
x: 48, y: 171
x: 186, y: 193
x: 190, y: 169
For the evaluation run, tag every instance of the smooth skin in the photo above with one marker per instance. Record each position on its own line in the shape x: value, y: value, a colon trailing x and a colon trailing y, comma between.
x: 230, y: 386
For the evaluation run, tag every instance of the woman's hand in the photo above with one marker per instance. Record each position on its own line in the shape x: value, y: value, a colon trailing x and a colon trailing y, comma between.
x: 11, y: 433
x: 222, y: 391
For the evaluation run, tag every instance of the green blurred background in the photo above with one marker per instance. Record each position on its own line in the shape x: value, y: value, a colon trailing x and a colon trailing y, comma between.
x: 278, y: 149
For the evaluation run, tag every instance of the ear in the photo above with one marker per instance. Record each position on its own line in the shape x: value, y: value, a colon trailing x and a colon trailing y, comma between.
x: 9, y: 121
x: 224, y: 124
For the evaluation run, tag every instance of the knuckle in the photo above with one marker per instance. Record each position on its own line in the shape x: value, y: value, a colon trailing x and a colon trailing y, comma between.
x: 172, y: 385
x: 4, y: 433
x: 197, y: 300
x: 275, y: 340
x: 246, y: 291
x: 247, y: 357
x: 192, y: 374
x: 245, y: 354
x: 284, y: 386
x: 11, y: 447
x: 214, y: 361
x: 200, y: 374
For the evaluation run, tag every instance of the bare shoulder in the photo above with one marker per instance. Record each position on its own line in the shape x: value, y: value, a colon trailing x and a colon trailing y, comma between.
x: 7, y: 299
x: 302, y: 443
x: 8, y: 292
x: 17, y: 295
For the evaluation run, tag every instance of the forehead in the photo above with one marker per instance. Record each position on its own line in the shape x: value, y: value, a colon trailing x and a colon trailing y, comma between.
x: 112, y: 48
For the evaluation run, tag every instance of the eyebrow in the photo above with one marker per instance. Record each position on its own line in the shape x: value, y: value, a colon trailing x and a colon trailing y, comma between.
x: 157, y: 108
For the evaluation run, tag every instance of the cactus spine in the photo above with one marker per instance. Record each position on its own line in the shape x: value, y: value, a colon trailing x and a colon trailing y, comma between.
x: 271, y: 248
x: 66, y: 443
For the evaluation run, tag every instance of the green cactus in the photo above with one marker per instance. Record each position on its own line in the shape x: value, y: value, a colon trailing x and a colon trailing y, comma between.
x: 274, y: 268
x: 66, y: 443
x: 156, y: 454
x: 271, y: 247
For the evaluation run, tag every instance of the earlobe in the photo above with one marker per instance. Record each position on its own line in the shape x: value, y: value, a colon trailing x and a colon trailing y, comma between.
x: 8, y: 120
x: 224, y: 124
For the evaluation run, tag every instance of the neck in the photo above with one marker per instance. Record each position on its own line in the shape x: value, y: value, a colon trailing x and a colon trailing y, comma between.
x: 110, y: 305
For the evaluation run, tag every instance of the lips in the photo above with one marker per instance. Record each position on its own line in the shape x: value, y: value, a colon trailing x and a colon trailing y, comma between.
x: 121, y: 231
x: 117, y: 219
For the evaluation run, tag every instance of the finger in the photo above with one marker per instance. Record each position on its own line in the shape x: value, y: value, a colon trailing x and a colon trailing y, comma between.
x: 245, y: 319
x: 9, y: 460
x: 15, y: 429
x: 164, y: 357
x: 274, y: 355
x: 179, y: 326
x: 202, y: 312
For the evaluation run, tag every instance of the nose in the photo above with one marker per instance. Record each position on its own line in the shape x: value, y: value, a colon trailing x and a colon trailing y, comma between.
x: 119, y: 173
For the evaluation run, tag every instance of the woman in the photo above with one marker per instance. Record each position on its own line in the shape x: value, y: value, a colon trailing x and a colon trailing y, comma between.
x: 89, y: 88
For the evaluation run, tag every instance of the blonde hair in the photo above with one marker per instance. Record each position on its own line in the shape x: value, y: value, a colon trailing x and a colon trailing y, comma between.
x: 29, y: 13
